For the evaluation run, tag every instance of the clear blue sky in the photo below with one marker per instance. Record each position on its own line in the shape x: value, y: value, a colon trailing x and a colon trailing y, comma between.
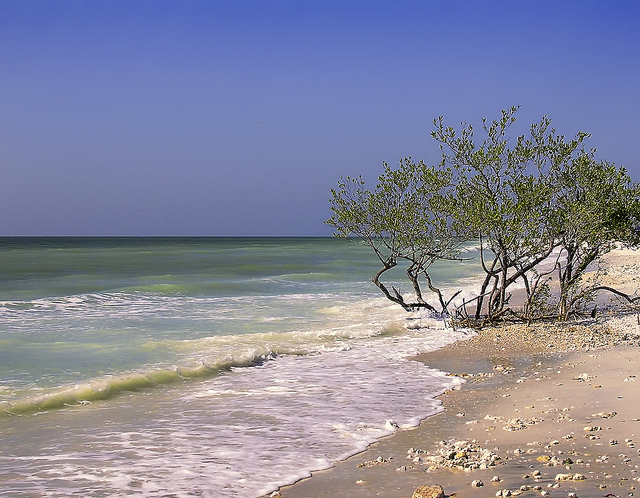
x: 237, y: 117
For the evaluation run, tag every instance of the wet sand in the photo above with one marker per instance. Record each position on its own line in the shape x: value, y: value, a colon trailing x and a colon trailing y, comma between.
x: 546, y: 410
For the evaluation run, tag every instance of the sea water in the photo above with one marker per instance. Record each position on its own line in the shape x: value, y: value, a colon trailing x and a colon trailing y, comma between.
x: 202, y: 366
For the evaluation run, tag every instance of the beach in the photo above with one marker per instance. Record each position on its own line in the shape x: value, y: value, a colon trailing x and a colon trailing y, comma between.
x: 545, y: 410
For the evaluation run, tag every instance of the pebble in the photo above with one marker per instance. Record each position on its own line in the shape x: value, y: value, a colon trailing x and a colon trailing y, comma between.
x: 570, y: 477
x: 455, y: 454
x: 432, y: 491
x: 371, y: 463
x: 469, y: 455
x: 605, y: 414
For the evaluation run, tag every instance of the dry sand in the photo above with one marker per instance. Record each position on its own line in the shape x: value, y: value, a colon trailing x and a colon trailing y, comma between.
x: 546, y: 410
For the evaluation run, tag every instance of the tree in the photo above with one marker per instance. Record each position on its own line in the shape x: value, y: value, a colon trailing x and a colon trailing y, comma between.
x: 596, y: 206
x: 539, y: 199
x: 504, y: 195
x: 404, y: 219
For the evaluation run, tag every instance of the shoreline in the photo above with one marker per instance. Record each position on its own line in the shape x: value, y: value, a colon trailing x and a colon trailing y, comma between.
x: 530, y: 394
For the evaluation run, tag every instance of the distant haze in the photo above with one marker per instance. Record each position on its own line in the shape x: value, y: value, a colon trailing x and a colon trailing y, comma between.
x: 233, y: 117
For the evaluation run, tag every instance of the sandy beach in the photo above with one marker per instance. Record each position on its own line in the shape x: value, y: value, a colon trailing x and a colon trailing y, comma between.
x: 545, y: 410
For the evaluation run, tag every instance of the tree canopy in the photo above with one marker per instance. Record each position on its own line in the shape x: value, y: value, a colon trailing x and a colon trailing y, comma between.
x: 403, y: 218
x: 537, y: 198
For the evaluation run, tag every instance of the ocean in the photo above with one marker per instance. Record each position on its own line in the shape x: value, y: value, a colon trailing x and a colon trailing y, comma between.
x: 214, y: 367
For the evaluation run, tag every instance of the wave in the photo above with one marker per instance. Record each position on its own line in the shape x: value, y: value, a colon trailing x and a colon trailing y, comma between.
x: 216, y: 355
x: 110, y: 386
x: 197, y: 359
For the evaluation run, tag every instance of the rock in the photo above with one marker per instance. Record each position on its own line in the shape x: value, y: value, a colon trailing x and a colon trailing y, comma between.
x: 458, y: 455
x: 570, y: 477
x: 432, y: 491
x: 477, y: 483
x: 605, y: 414
x: 371, y: 463
x: 391, y: 425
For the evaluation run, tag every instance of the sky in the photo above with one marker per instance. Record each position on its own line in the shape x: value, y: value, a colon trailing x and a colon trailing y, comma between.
x: 237, y: 117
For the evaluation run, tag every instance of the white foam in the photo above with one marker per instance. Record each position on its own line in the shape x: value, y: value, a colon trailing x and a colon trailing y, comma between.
x: 244, y: 433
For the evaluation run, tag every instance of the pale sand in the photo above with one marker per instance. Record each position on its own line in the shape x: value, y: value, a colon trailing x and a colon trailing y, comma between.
x: 547, y: 381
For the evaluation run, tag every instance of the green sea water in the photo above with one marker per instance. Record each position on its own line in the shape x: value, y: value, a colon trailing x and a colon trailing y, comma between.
x: 119, y: 345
